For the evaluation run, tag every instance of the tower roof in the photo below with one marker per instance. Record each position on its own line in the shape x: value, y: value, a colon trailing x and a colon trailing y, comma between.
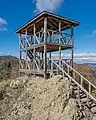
x: 52, y: 19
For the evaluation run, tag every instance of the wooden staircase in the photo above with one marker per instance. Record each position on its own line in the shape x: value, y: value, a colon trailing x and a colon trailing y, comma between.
x: 82, y: 89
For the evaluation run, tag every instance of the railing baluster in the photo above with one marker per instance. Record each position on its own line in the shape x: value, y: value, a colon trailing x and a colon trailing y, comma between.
x: 62, y: 68
x: 74, y: 74
x: 87, y: 99
x: 78, y: 93
x: 81, y: 81
x: 51, y: 68
x: 89, y: 88
x: 68, y: 69
x: 57, y: 70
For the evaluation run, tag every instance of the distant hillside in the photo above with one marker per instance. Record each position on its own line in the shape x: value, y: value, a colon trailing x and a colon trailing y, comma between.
x: 9, y: 67
x: 87, y: 71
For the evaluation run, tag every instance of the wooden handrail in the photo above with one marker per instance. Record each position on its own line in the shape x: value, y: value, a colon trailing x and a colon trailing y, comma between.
x: 78, y: 74
x: 72, y: 79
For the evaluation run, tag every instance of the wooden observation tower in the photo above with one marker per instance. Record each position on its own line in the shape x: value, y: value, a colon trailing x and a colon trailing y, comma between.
x: 42, y: 36
x: 39, y: 38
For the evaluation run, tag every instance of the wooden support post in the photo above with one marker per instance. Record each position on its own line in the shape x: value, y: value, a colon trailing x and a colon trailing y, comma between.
x: 59, y: 55
x: 45, y: 47
x: 52, y: 36
x: 20, y: 53
x: 72, y: 34
x: 59, y: 31
x: 50, y: 55
x: 59, y: 43
x: 26, y: 49
x: 50, y: 59
x: 51, y: 69
x: 31, y: 40
x: 34, y: 47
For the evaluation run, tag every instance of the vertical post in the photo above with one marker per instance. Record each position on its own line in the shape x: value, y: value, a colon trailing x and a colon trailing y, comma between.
x: 59, y: 55
x: 59, y: 31
x: 42, y: 58
x: 72, y: 34
x: 50, y: 59
x: 81, y: 81
x: 51, y: 69
x: 59, y: 43
x: 89, y: 88
x: 50, y: 55
x: 31, y: 40
x: 34, y: 47
x: 20, y: 53
x: 74, y: 74
x: 45, y: 47
x: 88, y: 100
x: 26, y: 49
x: 78, y: 93
x: 52, y: 36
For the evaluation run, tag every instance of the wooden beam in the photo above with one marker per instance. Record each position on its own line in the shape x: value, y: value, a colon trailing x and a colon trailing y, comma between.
x: 52, y: 36
x: 34, y: 45
x: 72, y: 33
x: 26, y: 49
x: 28, y: 26
x: 53, y: 22
x: 59, y: 31
x: 59, y: 43
x: 45, y: 47
x: 63, y: 21
x: 59, y: 55
x: 50, y: 55
x: 20, y: 53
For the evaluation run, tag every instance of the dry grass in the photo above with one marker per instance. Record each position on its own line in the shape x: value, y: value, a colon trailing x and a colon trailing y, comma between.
x: 5, y: 83
x: 86, y: 71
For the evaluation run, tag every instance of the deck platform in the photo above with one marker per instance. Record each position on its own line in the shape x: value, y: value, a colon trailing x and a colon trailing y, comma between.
x: 51, y: 47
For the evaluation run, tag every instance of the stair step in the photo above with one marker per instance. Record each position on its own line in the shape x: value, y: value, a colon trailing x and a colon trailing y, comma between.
x: 93, y: 110
x: 83, y: 96
x: 85, y: 100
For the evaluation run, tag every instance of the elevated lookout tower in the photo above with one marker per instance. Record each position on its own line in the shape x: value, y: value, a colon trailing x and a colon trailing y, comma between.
x: 42, y: 36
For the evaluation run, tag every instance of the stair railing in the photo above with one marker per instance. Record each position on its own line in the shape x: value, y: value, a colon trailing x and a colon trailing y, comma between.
x: 71, y: 78
x: 82, y: 80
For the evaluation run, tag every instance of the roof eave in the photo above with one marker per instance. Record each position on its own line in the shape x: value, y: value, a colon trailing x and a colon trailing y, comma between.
x: 74, y: 23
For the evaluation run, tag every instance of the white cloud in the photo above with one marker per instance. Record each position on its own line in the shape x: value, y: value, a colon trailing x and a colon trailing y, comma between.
x: 2, y: 28
x: 78, y: 57
x: 2, y: 23
x: 49, y: 5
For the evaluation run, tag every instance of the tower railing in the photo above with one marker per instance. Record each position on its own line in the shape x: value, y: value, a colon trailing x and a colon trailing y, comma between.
x: 54, y: 37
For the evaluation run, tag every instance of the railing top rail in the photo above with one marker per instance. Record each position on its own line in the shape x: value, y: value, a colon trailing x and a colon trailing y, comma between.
x: 75, y: 81
x: 79, y: 74
x: 49, y: 30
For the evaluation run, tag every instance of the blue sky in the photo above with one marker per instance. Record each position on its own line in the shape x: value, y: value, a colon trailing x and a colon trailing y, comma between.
x: 14, y: 13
